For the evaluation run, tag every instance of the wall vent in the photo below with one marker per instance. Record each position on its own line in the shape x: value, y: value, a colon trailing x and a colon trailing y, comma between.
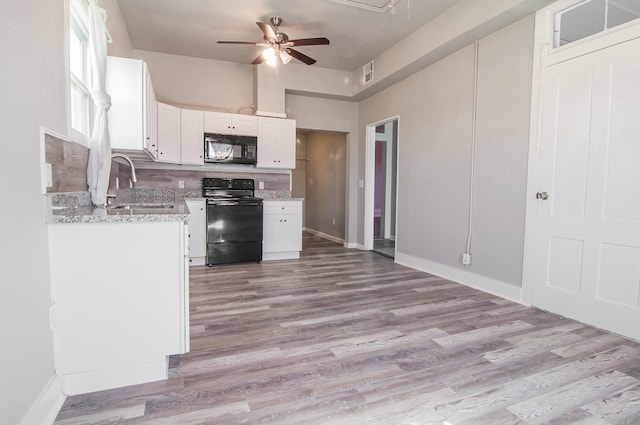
x: 367, y: 73
x: 379, y: 6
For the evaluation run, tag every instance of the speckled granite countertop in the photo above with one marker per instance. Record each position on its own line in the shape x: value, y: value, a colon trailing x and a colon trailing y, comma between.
x: 72, y: 211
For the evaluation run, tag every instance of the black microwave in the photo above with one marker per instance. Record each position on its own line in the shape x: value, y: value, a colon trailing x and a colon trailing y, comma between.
x: 226, y: 148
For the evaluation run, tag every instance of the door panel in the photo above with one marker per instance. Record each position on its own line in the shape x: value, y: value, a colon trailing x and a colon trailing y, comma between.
x: 588, y: 231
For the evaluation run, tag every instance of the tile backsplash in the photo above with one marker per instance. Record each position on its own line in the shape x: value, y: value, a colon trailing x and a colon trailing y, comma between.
x: 68, y: 164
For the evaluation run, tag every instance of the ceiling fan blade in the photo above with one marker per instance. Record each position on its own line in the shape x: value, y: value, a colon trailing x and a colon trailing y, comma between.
x: 301, y: 57
x: 253, y: 43
x: 309, y: 41
x: 268, y: 32
x: 258, y: 60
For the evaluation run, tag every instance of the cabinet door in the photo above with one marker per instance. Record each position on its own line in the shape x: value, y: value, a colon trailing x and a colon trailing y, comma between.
x: 292, y: 232
x: 271, y: 233
x: 191, y: 137
x: 217, y: 122
x: 168, y: 133
x: 246, y: 125
x: 286, y: 135
x: 197, y: 228
x: 150, y: 117
x: 126, y: 85
x: 267, y: 143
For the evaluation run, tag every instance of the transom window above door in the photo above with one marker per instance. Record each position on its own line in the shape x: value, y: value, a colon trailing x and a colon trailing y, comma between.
x: 591, y: 17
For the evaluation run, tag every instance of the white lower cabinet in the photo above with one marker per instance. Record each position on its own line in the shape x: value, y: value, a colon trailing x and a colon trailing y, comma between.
x: 197, y: 232
x: 282, y: 230
x: 120, y: 302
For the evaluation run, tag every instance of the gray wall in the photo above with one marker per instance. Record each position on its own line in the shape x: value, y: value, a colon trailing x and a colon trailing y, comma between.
x: 33, y: 94
x: 325, y: 182
x: 435, y: 107
x: 299, y: 174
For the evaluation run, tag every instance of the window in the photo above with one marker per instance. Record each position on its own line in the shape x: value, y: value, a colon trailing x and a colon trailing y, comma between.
x: 81, y: 102
x: 590, y: 17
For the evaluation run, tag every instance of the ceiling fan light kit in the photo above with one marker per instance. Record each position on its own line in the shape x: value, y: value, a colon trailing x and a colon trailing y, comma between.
x: 278, y: 45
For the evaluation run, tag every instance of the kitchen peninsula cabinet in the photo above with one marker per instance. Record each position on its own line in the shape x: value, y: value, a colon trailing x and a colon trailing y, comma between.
x: 120, y: 301
x: 132, y: 116
x: 282, y: 230
x: 223, y: 123
x: 276, y: 143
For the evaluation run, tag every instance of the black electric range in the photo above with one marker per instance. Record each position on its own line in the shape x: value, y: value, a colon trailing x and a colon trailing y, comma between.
x: 234, y: 221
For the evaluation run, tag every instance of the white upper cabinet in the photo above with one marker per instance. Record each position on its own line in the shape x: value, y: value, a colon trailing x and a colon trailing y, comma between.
x: 168, y: 133
x: 276, y: 143
x: 223, y: 123
x: 151, y: 119
x: 191, y: 137
x: 132, y: 118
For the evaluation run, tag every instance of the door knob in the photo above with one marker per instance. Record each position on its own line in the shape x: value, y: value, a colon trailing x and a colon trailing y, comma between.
x: 542, y: 195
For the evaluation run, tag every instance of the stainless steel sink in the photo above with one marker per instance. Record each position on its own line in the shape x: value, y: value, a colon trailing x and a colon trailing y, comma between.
x: 140, y: 206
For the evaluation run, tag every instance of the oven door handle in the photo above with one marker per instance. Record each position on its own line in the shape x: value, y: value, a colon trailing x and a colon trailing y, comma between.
x: 232, y: 203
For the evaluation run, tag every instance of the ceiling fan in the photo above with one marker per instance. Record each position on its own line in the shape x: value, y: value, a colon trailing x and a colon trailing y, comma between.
x: 278, y: 45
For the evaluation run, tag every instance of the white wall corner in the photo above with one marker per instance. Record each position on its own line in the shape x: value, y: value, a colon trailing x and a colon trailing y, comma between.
x: 472, y: 280
x: 46, y: 407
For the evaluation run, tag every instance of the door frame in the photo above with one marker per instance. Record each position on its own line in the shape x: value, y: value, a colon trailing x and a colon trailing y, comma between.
x: 544, y: 56
x: 369, y: 178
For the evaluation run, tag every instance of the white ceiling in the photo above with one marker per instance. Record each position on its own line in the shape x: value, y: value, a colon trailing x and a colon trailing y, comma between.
x: 357, y: 35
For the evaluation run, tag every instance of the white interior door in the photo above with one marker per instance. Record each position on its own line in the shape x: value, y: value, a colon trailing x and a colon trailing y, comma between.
x: 587, y: 264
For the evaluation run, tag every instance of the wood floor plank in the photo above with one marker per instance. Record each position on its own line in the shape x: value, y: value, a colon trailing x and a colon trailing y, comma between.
x: 347, y: 337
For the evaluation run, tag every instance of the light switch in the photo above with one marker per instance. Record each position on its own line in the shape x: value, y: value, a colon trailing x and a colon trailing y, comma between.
x: 360, y: 184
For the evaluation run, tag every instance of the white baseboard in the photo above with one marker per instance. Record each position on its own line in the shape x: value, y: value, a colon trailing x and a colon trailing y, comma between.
x: 354, y: 245
x: 324, y: 235
x: 476, y: 281
x: 123, y: 376
x: 46, y: 407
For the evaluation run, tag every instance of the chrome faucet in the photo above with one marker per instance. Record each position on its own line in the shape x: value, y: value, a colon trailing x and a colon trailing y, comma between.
x: 126, y: 158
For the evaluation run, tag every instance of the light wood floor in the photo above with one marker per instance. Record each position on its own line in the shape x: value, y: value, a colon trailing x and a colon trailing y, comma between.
x: 348, y: 337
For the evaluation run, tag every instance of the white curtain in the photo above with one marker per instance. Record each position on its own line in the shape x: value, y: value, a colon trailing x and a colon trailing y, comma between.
x: 100, y: 146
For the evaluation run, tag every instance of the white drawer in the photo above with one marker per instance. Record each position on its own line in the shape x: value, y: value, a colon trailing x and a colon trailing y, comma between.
x: 282, y: 207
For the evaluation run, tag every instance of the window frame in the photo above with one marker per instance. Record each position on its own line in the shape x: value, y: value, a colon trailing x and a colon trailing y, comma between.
x: 606, y: 28
x: 78, y: 24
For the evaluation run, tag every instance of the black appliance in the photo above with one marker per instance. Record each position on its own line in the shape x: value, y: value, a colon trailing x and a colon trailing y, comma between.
x: 234, y: 221
x: 225, y: 148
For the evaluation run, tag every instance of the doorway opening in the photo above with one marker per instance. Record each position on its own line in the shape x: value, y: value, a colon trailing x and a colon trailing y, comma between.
x: 380, y: 193
x: 320, y: 179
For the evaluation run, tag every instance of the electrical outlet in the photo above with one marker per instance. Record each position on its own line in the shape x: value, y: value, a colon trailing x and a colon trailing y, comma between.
x: 49, y: 176
x: 466, y: 259
x: 334, y: 221
x: 180, y: 184
x: 260, y: 185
